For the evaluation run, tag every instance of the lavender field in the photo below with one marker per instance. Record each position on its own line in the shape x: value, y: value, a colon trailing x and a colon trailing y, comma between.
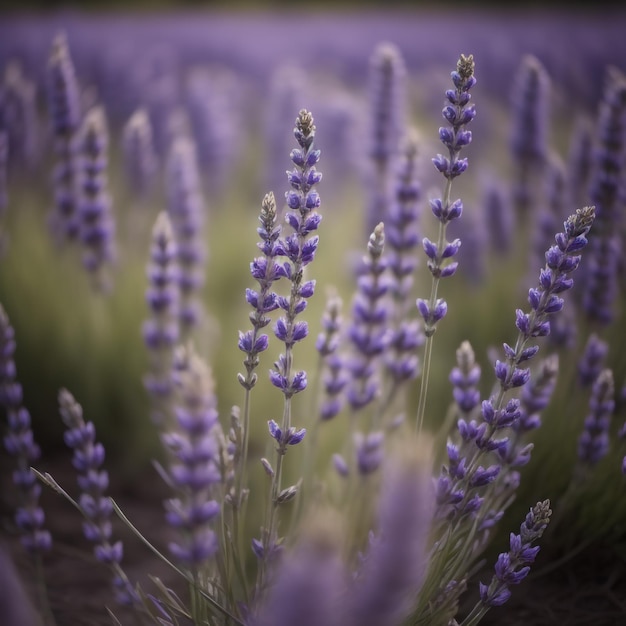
x: 386, y: 437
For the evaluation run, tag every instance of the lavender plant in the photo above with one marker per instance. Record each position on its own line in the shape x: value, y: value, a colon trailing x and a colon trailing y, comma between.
x: 458, y: 113
x: 395, y: 546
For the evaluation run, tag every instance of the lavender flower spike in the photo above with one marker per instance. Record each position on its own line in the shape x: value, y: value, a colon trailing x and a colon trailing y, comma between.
x: 194, y: 468
x: 65, y: 115
x: 458, y: 113
x: 368, y: 332
x: 606, y: 191
x: 387, y: 77
x: 530, y: 100
x: 93, y: 481
x: 96, y: 223
x: 19, y: 442
x: 186, y: 210
x: 513, y: 566
x: 140, y: 159
x: 593, y: 443
x: 161, y: 330
x: 391, y: 576
x: 561, y: 260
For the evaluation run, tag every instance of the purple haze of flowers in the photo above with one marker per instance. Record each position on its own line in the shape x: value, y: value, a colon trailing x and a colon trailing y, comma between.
x: 19, y: 442
x: 140, y: 160
x: 513, y: 566
x: 299, y: 250
x: 161, y: 330
x: 387, y: 585
x: 194, y: 463
x: 65, y: 115
x: 368, y: 331
x: 95, y: 216
x: 593, y: 443
x: 334, y: 376
x: 186, y: 210
x: 263, y: 301
x: 87, y: 459
x: 387, y: 78
x: 607, y: 193
x: 458, y: 113
x: 530, y: 100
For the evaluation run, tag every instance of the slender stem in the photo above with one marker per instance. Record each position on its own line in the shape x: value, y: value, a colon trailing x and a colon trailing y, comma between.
x: 42, y: 592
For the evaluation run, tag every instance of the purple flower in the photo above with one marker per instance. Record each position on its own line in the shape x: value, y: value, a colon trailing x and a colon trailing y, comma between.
x: 386, y: 97
x: 65, y: 116
x: 592, y: 360
x: 334, y: 376
x: 4, y: 162
x: 140, y: 160
x: 395, y: 565
x: 87, y: 459
x: 186, y: 211
x: 367, y: 332
x: 606, y: 192
x: 193, y: 462
x: 161, y: 330
x: 458, y: 112
x: 499, y: 220
x: 19, y: 442
x: 263, y: 301
x: 465, y: 378
x: 94, y: 212
x: 529, y: 129
x: 593, y: 443
x: 513, y: 566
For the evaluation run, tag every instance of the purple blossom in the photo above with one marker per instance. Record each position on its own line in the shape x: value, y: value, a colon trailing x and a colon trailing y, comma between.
x: 592, y: 360
x: 334, y: 375
x: 299, y: 248
x: 19, y: 118
x: 20, y: 443
x: 161, y: 330
x: 263, y: 301
x: 193, y: 462
x: 499, y: 220
x: 367, y: 332
x: 140, y: 160
x: 395, y: 565
x: 65, y: 116
x: 606, y: 192
x: 87, y: 459
x: 465, y: 377
x: 513, y: 566
x: 593, y: 443
x: 458, y: 113
x: 4, y: 161
x: 386, y: 97
x: 94, y: 212
x: 186, y: 211
x: 529, y: 129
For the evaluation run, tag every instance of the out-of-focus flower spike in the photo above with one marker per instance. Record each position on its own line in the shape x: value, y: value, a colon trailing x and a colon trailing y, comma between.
x: 65, y: 117
x: 20, y: 443
x: 593, y: 443
x: 140, y: 160
x: 530, y: 101
x: 187, y: 213
x: 387, y: 77
x: 95, y: 215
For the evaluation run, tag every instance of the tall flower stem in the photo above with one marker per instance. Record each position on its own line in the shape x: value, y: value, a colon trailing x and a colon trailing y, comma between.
x: 458, y: 113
